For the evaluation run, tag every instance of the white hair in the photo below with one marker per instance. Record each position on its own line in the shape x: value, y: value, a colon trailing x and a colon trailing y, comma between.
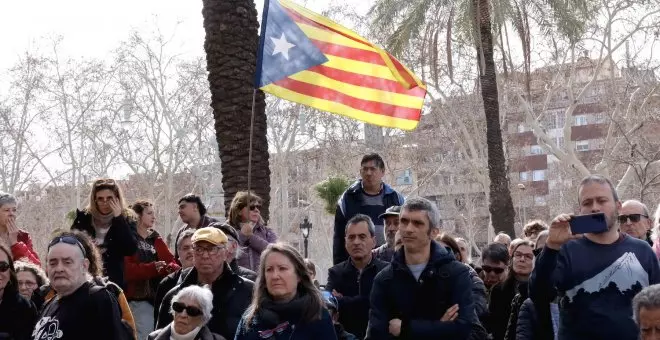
x: 202, y: 295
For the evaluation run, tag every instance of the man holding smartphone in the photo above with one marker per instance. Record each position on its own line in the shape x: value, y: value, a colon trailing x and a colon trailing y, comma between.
x: 595, y: 275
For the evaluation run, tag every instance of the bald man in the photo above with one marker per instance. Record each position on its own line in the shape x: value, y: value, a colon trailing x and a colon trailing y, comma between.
x: 634, y: 220
x: 502, y: 238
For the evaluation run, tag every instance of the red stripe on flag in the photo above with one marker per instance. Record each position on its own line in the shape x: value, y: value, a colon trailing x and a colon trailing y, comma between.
x: 367, y: 81
x: 349, y: 52
x: 304, y: 20
x: 359, y: 104
x: 404, y: 73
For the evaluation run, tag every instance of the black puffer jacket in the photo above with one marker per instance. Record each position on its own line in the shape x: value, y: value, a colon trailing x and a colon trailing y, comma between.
x: 516, y: 303
x: 397, y: 294
x: 232, y: 295
x: 17, y: 316
x: 355, y: 286
x: 119, y: 242
x: 499, y: 307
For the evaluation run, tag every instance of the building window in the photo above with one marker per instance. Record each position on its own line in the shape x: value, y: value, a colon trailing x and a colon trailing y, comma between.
x: 539, y: 201
x: 405, y: 178
x: 521, y: 128
x: 524, y: 176
x: 582, y: 145
x: 580, y: 120
x: 560, y: 141
x: 538, y: 175
x: 560, y: 120
x: 600, y: 118
x: 536, y: 150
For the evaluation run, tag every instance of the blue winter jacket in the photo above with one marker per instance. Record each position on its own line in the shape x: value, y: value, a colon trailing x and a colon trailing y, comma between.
x: 420, y: 304
x: 322, y: 329
x: 349, y: 205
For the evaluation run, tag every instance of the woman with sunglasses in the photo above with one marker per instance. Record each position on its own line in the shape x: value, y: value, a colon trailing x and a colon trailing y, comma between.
x: 191, y: 308
x: 285, y: 303
x: 111, y: 225
x: 17, y: 315
x: 11, y: 237
x: 253, y: 235
x: 502, y: 294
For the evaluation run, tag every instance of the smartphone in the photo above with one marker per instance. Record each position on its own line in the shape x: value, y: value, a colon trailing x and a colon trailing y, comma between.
x: 326, y: 294
x: 591, y: 223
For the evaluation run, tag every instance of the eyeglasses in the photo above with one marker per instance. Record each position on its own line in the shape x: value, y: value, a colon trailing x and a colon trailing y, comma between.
x: 4, y: 266
x: 634, y: 218
x: 212, y: 251
x: 523, y: 255
x: 190, y: 310
x: 496, y: 270
x: 254, y: 207
x: 68, y: 240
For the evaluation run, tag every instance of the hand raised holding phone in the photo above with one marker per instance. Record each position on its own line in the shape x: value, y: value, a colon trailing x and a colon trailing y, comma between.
x: 560, y: 232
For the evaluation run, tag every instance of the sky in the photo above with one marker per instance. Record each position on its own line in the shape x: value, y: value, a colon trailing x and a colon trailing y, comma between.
x: 93, y: 29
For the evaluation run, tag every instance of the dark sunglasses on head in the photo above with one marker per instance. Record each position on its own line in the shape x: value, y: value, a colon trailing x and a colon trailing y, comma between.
x: 4, y: 266
x: 68, y: 240
x: 255, y: 206
x: 496, y: 270
x: 190, y: 310
x: 634, y: 218
x: 104, y: 182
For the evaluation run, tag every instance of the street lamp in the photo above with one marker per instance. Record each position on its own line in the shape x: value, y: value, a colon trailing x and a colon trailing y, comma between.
x: 305, y: 228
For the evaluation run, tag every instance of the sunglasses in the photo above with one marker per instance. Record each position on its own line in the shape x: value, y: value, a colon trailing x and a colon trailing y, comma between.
x: 254, y: 207
x: 4, y: 266
x: 68, y: 240
x: 104, y: 182
x: 634, y: 218
x: 496, y: 270
x: 190, y: 310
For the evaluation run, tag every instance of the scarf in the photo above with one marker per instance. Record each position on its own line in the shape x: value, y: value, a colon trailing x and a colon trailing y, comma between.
x: 101, y: 224
x: 271, y: 314
x: 188, y: 336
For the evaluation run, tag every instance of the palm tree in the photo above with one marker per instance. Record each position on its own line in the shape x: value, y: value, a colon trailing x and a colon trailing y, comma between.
x: 231, y: 46
x: 330, y: 190
x: 476, y: 22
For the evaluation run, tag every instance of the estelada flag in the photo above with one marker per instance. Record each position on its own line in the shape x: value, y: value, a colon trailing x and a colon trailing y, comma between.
x: 308, y: 59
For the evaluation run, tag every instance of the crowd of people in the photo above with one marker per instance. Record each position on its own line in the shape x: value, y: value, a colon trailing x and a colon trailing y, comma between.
x: 396, y: 274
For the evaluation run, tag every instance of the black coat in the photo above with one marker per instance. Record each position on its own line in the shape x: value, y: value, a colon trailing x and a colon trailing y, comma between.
x: 420, y: 304
x: 232, y: 295
x: 165, y: 333
x: 17, y: 316
x: 165, y: 285
x: 242, y: 271
x: 356, y: 289
x: 516, y: 303
x: 529, y: 325
x: 499, y: 307
x: 119, y: 242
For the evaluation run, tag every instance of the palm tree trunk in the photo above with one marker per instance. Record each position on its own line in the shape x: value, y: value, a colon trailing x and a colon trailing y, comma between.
x: 231, y: 44
x: 501, y: 204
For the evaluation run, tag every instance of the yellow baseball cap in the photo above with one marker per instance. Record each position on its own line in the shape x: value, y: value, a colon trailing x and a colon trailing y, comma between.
x: 209, y: 234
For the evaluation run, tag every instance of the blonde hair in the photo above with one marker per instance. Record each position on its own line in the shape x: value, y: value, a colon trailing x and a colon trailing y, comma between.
x: 106, y: 184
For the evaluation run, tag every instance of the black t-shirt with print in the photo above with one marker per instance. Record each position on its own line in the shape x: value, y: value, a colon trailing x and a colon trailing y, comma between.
x: 81, y: 315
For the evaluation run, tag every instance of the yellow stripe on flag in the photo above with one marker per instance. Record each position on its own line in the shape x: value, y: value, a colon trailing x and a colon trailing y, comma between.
x: 334, y: 107
x: 359, y: 67
x: 359, y: 92
x: 332, y: 37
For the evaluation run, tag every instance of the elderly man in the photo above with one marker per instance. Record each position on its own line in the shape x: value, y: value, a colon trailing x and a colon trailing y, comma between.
x: 635, y: 220
x: 391, y: 217
x: 234, y: 251
x: 81, y: 309
x: 502, y: 238
x: 231, y: 293
x: 646, y: 312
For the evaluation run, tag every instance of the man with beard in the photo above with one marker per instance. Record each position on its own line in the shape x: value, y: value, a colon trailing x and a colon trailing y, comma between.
x: 350, y: 281
x: 596, y: 274
x: 391, y: 217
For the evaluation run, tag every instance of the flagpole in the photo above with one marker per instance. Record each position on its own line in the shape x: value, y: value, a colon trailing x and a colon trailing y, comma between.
x: 254, y: 100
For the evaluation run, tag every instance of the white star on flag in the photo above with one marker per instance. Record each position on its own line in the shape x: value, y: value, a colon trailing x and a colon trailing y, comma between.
x: 282, y: 46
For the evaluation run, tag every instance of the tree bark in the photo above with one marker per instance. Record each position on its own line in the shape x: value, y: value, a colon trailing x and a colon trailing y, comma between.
x: 500, y: 205
x: 231, y: 45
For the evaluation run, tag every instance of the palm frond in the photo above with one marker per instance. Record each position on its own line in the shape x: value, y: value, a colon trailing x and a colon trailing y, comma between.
x: 409, y: 27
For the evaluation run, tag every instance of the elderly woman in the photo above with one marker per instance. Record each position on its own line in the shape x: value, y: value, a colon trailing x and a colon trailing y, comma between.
x: 17, y: 315
x: 30, y: 277
x: 14, y: 239
x: 253, y: 235
x: 646, y: 312
x: 285, y: 303
x: 191, y: 308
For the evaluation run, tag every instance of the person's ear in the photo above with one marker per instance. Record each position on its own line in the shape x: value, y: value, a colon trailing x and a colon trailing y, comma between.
x: 434, y: 233
x: 86, y: 265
